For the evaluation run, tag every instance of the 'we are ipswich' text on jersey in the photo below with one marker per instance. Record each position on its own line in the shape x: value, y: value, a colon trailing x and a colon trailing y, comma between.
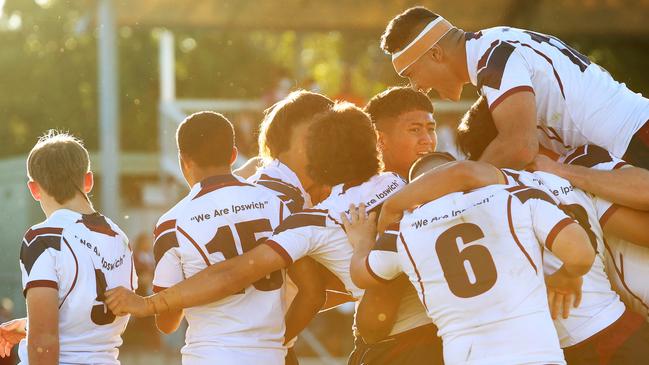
x: 81, y: 256
x: 475, y: 260
x: 577, y: 101
x: 222, y: 217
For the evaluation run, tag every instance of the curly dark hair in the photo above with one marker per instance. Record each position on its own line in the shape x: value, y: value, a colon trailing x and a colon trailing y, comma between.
x: 477, y: 130
x: 341, y: 147
x: 396, y: 101
x: 404, y: 27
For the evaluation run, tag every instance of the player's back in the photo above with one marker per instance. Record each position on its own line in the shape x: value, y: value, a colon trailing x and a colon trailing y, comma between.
x: 600, y: 305
x: 80, y: 255
x: 222, y: 217
x: 475, y: 259
x: 577, y: 101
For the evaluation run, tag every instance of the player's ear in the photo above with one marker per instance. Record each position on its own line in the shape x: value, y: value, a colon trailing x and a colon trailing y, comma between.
x: 88, y: 182
x: 34, y: 189
x: 235, y: 153
x: 436, y: 53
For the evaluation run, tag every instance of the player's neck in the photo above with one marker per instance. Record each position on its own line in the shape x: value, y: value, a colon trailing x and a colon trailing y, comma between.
x: 79, y: 204
x: 199, y: 175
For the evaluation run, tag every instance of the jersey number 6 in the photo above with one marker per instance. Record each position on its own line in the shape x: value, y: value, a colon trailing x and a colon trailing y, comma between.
x: 455, y: 262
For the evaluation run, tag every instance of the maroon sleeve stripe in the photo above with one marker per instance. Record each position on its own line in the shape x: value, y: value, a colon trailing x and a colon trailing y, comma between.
x: 372, y: 273
x: 609, y: 212
x: 549, y: 241
x: 507, y: 93
x: 280, y: 251
x: 620, y: 165
x: 32, y: 233
x: 40, y: 284
x: 163, y: 227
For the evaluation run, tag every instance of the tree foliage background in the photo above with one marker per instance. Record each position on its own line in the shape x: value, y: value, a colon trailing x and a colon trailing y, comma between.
x: 48, y: 69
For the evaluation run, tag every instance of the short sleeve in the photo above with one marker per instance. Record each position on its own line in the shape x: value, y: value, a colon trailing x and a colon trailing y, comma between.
x: 383, y: 261
x: 39, y: 254
x: 168, y: 267
x: 503, y: 71
x: 297, y: 236
x: 547, y: 218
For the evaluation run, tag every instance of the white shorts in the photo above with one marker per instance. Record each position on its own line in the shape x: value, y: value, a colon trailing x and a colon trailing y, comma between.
x: 209, y: 354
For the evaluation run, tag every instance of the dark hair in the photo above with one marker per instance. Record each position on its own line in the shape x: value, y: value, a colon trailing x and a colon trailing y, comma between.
x: 477, y: 130
x: 396, y: 101
x: 281, y: 118
x: 58, y: 162
x: 206, y: 138
x: 403, y: 28
x: 433, y: 158
x: 341, y: 146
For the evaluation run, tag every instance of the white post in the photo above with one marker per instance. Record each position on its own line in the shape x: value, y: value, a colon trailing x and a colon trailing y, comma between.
x: 167, y: 66
x: 108, y: 109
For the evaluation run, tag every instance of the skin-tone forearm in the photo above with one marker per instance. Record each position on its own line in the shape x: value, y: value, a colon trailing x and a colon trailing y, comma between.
x: 572, y: 246
x: 446, y: 179
x: 225, y: 278
x: 169, y: 322
x: 629, y: 225
x: 516, y: 144
x: 626, y: 186
x: 310, y: 297
x: 43, y: 335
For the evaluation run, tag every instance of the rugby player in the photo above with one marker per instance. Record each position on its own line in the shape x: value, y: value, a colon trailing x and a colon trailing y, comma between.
x: 601, y: 315
x: 405, y: 125
x: 68, y: 261
x: 221, y: 217
x: 538, y: 88
x: 486, y: 294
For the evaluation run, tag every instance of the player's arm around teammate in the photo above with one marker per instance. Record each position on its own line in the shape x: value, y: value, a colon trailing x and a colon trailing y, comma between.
x: 628, y: 185
x: 311, y: 295
x: 449, y: 178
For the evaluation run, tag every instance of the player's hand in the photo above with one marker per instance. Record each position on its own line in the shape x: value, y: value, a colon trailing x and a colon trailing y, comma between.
x: 388, y: 216
x: 564, y: 292
x: 360, y: 228
x: 122, y: 301
x: 11, y: 333
x: 543, y: 163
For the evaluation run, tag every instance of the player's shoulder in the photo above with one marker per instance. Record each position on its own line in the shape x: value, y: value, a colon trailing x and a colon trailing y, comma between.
x: 523, y: 194
x: 316, y: 217
x: 38, y: 239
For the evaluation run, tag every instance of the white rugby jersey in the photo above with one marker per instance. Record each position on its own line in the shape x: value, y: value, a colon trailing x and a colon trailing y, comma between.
x: 318, y: 233
x: 475, y: 259
x: 80, y: 255
x: 627, y: 264
x: 577, y: 101
x: 222, y: 217
x: 600, y: 305
x: 284, y: 183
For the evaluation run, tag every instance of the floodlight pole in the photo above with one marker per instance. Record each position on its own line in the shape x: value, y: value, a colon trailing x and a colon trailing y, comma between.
x: 108, y: 108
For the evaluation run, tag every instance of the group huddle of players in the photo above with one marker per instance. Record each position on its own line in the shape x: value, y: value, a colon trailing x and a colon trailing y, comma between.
x: 534, y: 250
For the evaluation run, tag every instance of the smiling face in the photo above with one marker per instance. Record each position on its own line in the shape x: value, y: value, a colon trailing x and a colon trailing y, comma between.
x: 405, y: 138
x: 433, y: 71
